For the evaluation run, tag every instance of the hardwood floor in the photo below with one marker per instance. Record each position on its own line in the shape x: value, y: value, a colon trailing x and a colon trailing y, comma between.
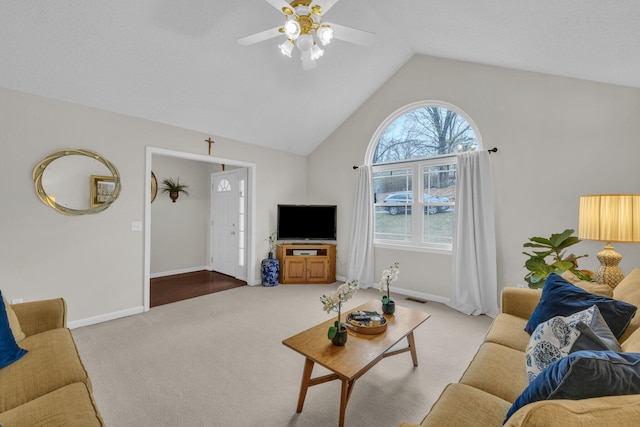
x: 168, y: 289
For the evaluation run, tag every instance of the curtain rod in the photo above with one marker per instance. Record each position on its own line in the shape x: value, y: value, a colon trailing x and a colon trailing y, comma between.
x: 490, y: 150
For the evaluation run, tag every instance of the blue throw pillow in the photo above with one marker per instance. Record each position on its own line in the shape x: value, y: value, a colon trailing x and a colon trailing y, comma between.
x: 596, y: 335
x: 561, y: 298
x: 582, y: 375
x: 9, y: 350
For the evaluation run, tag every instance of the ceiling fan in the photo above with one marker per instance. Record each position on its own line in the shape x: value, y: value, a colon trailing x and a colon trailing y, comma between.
x: 304, y: 27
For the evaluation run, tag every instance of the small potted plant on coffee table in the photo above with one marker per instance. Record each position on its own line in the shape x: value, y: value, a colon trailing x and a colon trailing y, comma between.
x: 333, y: 302
x: 388, y: 277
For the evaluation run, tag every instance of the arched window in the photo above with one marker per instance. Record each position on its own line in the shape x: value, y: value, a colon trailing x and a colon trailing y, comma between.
x: 414, y: 171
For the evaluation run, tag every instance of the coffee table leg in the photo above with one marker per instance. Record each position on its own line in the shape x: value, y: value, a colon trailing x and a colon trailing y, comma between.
x: 345, y: 394
x: 412, y: 347
x: 306, y: 378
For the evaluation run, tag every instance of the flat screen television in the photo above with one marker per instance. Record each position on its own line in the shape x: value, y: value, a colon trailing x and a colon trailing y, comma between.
x: 307, y: 222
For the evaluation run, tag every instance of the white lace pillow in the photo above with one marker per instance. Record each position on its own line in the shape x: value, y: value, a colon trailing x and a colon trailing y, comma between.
x: 557, y: 337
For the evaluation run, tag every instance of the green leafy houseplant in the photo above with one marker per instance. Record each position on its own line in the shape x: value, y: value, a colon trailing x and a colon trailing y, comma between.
x: 174, y: 188
x: 554, y: 247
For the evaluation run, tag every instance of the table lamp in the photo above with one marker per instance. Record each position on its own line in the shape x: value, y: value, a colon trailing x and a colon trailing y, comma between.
x: 610, y: 218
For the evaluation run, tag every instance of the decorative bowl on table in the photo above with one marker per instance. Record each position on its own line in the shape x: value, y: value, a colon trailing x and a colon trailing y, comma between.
x: 367, y: 322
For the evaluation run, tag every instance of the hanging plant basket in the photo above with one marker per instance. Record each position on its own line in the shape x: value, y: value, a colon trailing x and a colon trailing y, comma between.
x: 174, y: 188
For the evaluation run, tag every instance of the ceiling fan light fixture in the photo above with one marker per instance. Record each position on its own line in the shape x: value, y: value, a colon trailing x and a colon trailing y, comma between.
x: 316, y: 52
x: 305, y: 42
x: 286, y: 48
x: 292, y: 29
x: 304, y: 27
x: 303, y: 11
x: 308, y: 63
x: 325, y: 34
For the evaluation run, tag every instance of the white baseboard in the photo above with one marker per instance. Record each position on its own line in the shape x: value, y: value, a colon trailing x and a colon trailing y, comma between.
x: 420, y: 295
x: 409, y: 293
x: 180, y: 271
x: 105, y: 317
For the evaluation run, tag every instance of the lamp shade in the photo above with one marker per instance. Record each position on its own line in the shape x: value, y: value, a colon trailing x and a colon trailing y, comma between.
x: 610, y: 218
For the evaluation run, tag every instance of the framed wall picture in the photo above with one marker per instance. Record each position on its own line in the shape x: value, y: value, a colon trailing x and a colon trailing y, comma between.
x: 154, y: 186
x: 102, y: 188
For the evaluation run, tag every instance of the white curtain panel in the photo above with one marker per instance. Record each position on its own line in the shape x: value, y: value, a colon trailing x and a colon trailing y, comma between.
x: 360, y: 263
x: 475, y: 283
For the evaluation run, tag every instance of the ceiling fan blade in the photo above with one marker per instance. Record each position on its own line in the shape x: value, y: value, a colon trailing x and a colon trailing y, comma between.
x: 307, y: 62
x: 279, y: 4
x: 352, y: 35
x: 259, y: 37
x: 325, y: 4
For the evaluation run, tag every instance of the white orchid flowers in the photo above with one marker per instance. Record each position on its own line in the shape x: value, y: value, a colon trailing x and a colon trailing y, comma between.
x: 388, y: 277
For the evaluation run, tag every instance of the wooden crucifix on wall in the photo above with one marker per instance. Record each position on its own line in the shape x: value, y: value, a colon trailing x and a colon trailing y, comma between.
x: 210, y: 141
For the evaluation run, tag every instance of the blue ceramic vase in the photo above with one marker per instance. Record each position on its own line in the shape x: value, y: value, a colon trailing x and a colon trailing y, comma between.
x: 270, y: 272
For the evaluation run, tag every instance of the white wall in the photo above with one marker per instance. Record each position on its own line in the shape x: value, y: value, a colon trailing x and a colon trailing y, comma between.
x: 180, y: 230
x: 558, y: 139
x: 95, y: 261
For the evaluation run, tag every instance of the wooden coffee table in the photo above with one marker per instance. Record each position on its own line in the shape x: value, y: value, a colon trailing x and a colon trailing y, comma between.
x: 360, y: 354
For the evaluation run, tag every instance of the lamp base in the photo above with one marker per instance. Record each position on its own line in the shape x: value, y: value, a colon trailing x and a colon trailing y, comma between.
x: 609, y: 273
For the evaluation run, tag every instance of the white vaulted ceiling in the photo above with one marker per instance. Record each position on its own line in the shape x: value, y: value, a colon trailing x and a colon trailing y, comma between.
x: 178, y: 62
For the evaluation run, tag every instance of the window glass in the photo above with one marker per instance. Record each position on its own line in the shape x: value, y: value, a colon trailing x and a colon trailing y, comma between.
x: 424, y: 132
x: 394, y: 190
x: 439, y: 199
x: 224, y: 185
x: 414, y: 171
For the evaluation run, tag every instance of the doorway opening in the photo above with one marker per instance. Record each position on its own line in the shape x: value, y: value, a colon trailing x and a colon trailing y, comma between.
x: 178, y: 287
x: 248, y: 247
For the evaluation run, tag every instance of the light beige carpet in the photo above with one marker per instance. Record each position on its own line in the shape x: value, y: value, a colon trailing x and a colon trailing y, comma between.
x: 218, y: 360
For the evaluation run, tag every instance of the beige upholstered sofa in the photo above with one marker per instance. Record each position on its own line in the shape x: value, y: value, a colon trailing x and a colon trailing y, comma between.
x: 48, y: 386
x: 496, y: 376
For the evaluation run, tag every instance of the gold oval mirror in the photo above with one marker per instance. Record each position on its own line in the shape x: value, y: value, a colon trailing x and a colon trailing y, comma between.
x: 77, y: 182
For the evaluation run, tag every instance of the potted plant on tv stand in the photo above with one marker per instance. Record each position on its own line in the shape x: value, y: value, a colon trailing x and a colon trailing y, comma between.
x: 388, y: 277
x: 270, y: 266
x: 272, y: 244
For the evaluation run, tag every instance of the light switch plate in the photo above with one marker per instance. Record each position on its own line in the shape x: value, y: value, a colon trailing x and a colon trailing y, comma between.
x: 136, y: 225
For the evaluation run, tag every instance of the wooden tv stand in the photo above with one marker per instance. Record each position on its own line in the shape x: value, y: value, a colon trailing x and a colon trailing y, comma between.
x: 307, y: 263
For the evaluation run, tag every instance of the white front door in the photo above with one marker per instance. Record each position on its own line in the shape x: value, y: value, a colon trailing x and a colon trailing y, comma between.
x: 225, y: 201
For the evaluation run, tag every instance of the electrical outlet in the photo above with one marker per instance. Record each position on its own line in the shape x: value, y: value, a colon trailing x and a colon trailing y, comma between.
x: 136, y: 225
x: 17, y: 301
